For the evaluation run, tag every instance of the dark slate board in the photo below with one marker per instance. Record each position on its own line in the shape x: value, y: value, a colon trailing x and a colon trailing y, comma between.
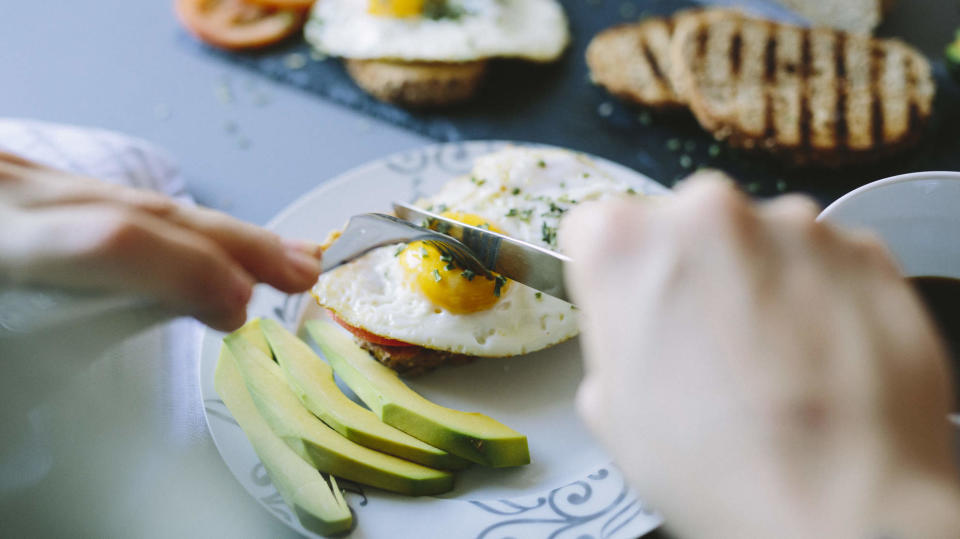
x: 556, y: 104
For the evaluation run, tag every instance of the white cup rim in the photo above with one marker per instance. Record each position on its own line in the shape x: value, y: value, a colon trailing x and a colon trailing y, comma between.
x: 902, y: 178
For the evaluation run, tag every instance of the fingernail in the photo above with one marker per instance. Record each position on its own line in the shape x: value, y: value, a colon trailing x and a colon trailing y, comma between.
x: 305, y: 264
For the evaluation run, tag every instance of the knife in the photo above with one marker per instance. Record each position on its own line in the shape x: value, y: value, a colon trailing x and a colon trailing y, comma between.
x: 532, y: 265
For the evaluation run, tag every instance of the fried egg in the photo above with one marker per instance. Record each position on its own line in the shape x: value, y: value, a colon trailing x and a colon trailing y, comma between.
x: 439, y: 30
x: 413, y: 293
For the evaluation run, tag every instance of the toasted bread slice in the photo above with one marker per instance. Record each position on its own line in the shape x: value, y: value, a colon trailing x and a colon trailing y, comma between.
x: 860, y: 16
x: 815, y: 95
x: 631, y: 61
x: 418, y: 84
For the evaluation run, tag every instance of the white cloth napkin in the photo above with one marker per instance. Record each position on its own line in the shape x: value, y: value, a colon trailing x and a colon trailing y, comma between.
x: 94, y: 421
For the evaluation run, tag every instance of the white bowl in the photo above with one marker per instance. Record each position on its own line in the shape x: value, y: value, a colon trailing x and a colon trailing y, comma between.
x: 918, y: 217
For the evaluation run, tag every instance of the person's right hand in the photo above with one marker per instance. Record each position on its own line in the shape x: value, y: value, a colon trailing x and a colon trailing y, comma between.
x: 756, y: 373
x: 65, y: 230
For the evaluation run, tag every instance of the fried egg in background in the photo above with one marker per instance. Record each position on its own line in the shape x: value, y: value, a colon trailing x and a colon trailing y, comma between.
x: 411, y: 293
x: 439, y: 30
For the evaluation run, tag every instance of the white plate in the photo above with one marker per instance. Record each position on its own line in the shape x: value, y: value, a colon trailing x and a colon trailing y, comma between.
x: 569, y: 490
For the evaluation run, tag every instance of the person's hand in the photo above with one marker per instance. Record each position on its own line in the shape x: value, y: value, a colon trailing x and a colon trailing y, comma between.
x: 64, y: 230
x: 756, y: 373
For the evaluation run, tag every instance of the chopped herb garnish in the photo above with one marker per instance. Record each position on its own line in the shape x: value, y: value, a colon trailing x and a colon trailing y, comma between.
x: 714, y: 150
x: 523, y: 215
x: 549, y: 234
x: 555, y: 211
x: 478, y: 181
x: 645, y: 118
x: 442, y: 227
x: 449, y: 267
x: 516, y: 191
x: 689, y: 146
x: 586, y: 174
x: 631, y: 191
x: 542, y: 164
x: 573, y: 307
x: 538, y: 295
x: 441, y: 208
x: 446, y: 258
x: 436, y: 276
x: 441, y: 9
x: 400, y: 249
x: 686, y: 161
x: 498, y: 283
x: 423, y: 252
x: 484, y: 226
x: 468, y: 274
x: 674, y: 144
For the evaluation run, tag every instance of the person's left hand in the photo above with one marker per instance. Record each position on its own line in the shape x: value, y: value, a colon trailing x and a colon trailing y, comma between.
x: 69, y: 231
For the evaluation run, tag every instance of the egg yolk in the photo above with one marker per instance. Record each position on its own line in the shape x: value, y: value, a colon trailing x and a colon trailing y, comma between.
x: 446, y: 285
x: 395, y: 8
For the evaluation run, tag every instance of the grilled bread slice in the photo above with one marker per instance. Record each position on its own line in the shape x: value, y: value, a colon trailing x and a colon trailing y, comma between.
x: 860, y: 16
x: 817, y: 95
x: 631, y: 60
x: 418, y: 84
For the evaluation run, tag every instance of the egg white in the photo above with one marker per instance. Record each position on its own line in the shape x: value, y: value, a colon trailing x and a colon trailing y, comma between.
x: 375, y: 293
x: 530, y: 29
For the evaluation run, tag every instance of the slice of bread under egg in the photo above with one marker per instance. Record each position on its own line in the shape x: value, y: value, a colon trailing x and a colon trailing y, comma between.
x: 418, y: 84
x: 433, y: 53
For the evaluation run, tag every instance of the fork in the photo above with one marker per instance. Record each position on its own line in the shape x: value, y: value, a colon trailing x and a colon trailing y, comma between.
x: 368, y: 231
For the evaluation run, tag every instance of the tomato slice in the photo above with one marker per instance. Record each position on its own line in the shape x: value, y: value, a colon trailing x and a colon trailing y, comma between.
x: 302, y: 5
x: 366, y: 335
x: 237, y: 24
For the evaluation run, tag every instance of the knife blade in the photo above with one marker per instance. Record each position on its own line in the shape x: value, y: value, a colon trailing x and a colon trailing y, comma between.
x: 532, y: 265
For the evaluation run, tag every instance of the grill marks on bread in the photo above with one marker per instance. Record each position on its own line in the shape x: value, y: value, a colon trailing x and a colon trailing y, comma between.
x: 816, y: 95
x: 630, y: 61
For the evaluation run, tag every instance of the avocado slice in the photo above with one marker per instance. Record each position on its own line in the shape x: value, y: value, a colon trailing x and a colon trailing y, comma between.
x: 953, y: 56
x: 319, y: 506
x: 320, y: 445
x: 311, y: 379
x: 473, y: 436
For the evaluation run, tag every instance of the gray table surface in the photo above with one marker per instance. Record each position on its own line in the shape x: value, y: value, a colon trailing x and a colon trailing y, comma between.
x: 247, y: 146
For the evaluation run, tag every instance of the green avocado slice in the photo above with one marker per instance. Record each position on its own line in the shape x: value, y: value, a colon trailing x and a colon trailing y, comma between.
x: 953, y: 56
x: 319, y: 506
x: 320, y: 445
x: 311, y: 379
x: 473, y: 436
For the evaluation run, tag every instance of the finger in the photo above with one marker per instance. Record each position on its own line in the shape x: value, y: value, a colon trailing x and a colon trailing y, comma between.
x: 596, y: 236
x: 792, y: 208
x: 7, y: 158
x: 867, y: 246
x: 709, y: 203
x: 101, y: 247
x: 290, y: 266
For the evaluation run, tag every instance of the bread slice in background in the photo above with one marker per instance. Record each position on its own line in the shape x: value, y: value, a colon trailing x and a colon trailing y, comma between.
x: 418, y: 84
x: 861, y: 16
x: 815, y: 96
x: 631, y: 61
